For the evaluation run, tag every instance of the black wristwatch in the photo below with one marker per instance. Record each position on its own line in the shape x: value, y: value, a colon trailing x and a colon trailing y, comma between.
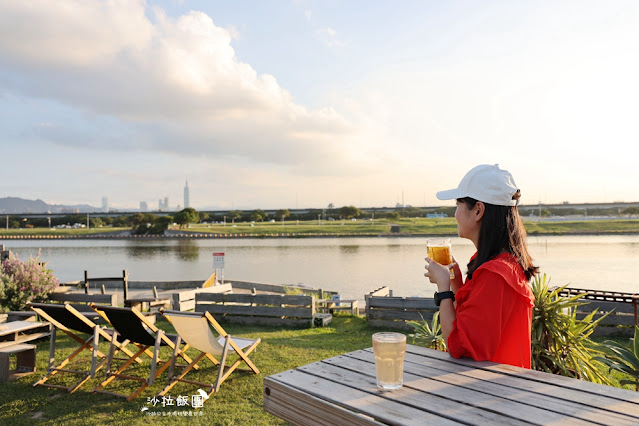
x: 443, y: 295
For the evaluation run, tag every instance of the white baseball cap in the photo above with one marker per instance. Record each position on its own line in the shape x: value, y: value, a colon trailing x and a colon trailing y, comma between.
x: 485, y: 183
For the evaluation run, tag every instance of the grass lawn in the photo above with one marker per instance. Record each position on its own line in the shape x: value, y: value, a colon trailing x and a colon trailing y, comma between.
x: 63, y: 232
x: 414, y: 226
x: 408, y: 226
x: 239, y: 401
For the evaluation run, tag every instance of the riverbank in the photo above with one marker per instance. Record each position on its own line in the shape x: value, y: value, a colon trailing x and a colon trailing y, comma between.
x: 417, y: 227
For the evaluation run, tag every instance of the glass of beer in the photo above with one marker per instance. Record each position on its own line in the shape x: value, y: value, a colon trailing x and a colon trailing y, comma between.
x: 439, y: 251
x: 389, y: 349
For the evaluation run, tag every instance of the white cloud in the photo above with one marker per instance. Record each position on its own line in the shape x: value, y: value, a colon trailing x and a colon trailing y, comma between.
x: 329, y: 37
x: 122, y: 86
x: 174, y: 84
x: 72, y: 34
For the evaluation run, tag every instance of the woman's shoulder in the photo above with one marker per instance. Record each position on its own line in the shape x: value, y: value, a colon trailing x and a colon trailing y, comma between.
x: 506, y: 267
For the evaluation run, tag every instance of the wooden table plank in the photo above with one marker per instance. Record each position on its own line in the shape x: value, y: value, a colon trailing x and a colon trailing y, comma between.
x: 477, y: 402
x: 439, y: 389
x: 540, y: 393
x: 338, y: 394
x: 300, y: 408
x: 15, y: 332
x: 516, y: 395
x: 561, y: 382
x: 362, y: 376
x: 14, y: 327
x: 539, y: 376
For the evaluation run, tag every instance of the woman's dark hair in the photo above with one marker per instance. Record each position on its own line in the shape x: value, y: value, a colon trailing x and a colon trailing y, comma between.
x: 501, y: 230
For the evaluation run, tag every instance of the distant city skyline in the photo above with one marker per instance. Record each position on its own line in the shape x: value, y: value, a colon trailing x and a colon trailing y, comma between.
x: 162, y: 203
x: 299, y: 104
x: 187, y: 195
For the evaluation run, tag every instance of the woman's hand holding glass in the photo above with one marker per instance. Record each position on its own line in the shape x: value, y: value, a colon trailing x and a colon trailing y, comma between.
x: 440, y: 275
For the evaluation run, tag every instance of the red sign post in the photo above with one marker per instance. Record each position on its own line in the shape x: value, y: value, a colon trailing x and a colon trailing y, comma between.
x: 218, y: 263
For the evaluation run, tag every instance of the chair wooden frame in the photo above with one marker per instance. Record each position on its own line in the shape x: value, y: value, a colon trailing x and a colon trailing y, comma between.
x: 137, y: 329
x: 198, y: 335
x: 69, y: 320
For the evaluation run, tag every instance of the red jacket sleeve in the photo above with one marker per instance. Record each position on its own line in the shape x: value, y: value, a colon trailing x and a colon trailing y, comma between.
x: 480, y: 318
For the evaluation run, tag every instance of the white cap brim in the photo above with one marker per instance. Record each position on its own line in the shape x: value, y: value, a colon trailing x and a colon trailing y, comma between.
x: 451, y: 194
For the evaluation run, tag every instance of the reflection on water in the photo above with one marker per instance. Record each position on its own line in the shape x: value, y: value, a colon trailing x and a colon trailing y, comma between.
x: 146, y: 252
x: 349, y: 249
x: 188, y: 250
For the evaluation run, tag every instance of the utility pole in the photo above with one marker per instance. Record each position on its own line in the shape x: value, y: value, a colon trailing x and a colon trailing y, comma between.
x: 540, y: 210
x: 403, y: 205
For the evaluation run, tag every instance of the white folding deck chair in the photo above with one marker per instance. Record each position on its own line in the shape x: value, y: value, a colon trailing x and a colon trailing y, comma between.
x: 195, y: 329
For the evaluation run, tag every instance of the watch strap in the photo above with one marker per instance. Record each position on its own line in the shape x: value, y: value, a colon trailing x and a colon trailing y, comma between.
x: 443, y: 295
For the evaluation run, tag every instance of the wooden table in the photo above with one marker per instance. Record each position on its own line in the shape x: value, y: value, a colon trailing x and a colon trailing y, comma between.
x: 14, y: 336
x: 330, y: 305
x: 144, y: 304
x: 439, y: 389
x: 15, y: 332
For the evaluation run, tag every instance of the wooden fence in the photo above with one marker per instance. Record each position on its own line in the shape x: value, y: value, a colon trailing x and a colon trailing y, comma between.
x: 384, y: 310
x: 620, y: 307
x: 124, y: 279
x: 185, y: 300
x: 260, y: 309
x: 81, y: 301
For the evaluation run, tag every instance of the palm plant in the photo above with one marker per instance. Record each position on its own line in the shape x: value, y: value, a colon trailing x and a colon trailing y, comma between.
x: 561, y: 343
x: 624, y: 359
x: 428, y: 334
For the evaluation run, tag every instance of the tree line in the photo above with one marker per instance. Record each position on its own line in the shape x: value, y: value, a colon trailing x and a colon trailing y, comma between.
x: 152, y: 223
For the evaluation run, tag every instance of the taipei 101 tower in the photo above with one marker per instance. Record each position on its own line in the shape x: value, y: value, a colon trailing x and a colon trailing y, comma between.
x: 187, y: 198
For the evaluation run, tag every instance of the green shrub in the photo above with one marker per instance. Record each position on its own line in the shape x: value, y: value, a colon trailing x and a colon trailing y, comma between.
x: 561, y: 343
x: 624, y: 359
x: 429, y: 336
x: 22, y: 282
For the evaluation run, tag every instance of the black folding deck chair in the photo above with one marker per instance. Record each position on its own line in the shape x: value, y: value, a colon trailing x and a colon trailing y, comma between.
x: 136, y: 328
x: 69, y: 320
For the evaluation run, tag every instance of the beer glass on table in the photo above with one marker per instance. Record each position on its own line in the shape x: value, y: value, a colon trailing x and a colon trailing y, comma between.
x: 389, y: 349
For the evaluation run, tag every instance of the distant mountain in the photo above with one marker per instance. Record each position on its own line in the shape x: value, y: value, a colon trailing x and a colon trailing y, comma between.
x: 14, y: 205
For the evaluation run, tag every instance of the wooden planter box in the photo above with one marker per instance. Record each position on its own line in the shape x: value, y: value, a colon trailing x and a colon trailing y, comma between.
x: 385, y: 311
x: 260, y: 309
x: 185, y: 300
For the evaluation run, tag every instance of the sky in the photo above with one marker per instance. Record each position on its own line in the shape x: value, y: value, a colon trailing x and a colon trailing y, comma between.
x: 306, y: 103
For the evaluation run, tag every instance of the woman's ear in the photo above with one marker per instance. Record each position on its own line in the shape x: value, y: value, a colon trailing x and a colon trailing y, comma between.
x: 479, y: 208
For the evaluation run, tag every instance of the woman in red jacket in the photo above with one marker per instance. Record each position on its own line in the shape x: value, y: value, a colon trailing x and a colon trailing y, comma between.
x: 489, y: 316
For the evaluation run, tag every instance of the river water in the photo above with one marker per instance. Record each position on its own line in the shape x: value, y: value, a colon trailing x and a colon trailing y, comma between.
x: 351, y: 266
